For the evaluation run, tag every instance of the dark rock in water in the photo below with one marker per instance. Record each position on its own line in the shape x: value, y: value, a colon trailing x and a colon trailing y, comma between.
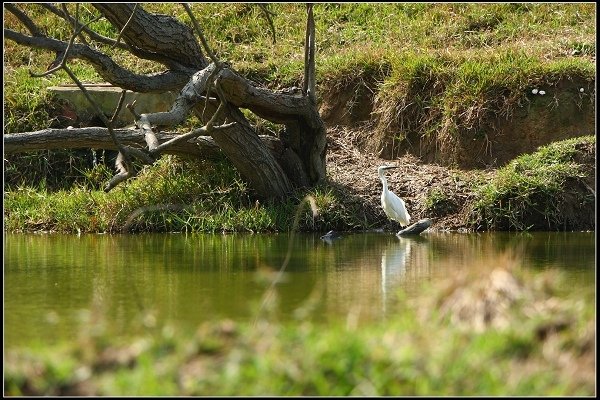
x: 416, y: 228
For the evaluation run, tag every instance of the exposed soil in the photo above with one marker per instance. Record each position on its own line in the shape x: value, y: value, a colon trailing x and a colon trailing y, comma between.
x: 352, y: 160
x: 354, y: 173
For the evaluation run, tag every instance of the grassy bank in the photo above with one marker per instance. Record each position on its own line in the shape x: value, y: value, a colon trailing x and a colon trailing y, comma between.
x: 547, y: 190
x: 498, y: 332
x: 440, y: 74
x: 482, y: 44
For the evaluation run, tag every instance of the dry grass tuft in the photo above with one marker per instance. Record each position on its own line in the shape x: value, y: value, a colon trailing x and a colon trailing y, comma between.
x: 494, y: 297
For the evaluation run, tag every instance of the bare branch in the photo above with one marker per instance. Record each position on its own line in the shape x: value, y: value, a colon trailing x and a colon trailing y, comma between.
x: 191, y: 135
x: 201, y: 35
x: 119, y: 106
x: 139, y: 154
x: 124, y: 171
x: 189, y: 96
x: 123, y: 163
x: 309, y: 56
x: 208, y: 128
x: 75, y: 21
x: 64, y: 57
x: 136, y: 51
x: 99, y: 113
x: 131, y: 108
x: 25, y: 20
x: 92, y: 34
x: 98, y: 138
x: 106, y: 67
x: 279, y: 107
x: 168, y: 40
x: 306, y: 56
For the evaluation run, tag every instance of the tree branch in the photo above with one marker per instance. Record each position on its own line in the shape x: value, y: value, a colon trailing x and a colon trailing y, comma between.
x: 105, y: 66
x: 98, y: 138
x: 25, y: 20
x: 201, y: 35
x: 126, y: 24
x: 56, y: 65
x: 310, y: 53
x: 119, y: 106
x: 190, y: 95
x: 168, y: 38
x: 92, y: 34
x: 168, y: 62
x: 75, y: 21
x: 123, y: 163
x: 276, y: 106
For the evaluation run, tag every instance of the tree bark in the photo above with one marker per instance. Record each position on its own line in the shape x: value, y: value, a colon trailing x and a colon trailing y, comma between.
x: 98, y: 138
x: 305, y: 132
x: 249, y: 155
x: 108, y: 69
x: 155, y: 33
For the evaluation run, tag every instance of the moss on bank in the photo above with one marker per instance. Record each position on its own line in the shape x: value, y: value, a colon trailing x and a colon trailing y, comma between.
x: 550, y: 189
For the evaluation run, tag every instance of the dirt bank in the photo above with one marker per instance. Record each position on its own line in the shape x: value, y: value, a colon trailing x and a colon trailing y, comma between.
x: 367, y: 128
x: 432, y: 191
x: 354, y: 173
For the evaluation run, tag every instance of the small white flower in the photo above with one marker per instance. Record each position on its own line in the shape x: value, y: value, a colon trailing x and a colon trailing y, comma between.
x: 542, y: 93
x: 581, y: 90
x: 534, y: 91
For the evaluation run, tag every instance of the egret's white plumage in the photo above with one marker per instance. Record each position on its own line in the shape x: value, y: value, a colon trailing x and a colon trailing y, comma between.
x: 393, y: 206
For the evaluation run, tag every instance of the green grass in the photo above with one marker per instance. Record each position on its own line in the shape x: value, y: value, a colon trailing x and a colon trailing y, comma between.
x: 538, y: 191
x: 171, y: 196
x: 533, y: 190
x: 417, y: 352
x: 453, y: 97
x: 350, y: 38
x: 440, y: 72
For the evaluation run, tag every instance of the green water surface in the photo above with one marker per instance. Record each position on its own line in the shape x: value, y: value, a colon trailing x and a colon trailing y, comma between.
x: 55, y: 285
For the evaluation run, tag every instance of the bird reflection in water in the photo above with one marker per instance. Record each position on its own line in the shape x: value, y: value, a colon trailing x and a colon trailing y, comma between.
x: 393, y: 266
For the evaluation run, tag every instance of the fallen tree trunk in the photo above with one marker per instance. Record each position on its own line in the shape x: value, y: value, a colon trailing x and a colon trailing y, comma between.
x: 99, y: 139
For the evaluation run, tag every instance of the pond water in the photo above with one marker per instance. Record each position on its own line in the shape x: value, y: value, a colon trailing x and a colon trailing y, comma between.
x: 56, y: 284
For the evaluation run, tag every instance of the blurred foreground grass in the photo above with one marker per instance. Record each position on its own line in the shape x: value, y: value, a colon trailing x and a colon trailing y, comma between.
x: 496, y: 332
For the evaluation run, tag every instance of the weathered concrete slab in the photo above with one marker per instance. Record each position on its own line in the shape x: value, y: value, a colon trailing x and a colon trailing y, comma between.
x: 107, y: 97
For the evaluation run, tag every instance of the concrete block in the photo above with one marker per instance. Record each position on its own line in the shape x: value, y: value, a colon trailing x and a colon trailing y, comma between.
x: 107, y: 98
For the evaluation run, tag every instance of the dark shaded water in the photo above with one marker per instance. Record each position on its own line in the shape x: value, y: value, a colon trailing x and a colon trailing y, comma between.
x: 56, y: 284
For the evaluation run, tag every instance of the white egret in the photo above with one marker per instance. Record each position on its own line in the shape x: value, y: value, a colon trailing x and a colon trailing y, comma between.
x: 393, y: 206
